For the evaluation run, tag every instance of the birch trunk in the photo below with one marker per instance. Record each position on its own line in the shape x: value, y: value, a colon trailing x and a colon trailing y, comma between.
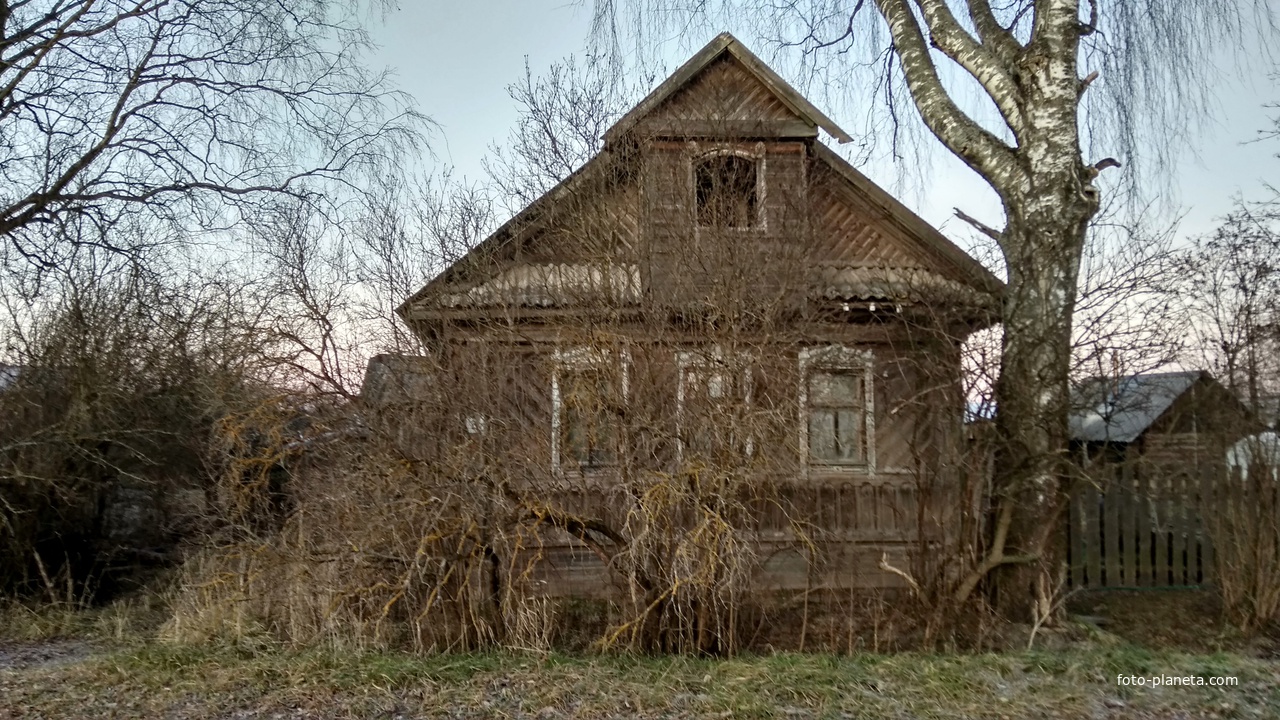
x: 1044, y: 236
x: 1048, y: 198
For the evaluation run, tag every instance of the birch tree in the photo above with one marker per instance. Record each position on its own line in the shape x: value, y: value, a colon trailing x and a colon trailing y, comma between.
x: 1030, y: 64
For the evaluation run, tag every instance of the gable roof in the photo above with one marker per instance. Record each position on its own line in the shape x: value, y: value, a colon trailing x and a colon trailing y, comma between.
x: 727, y: 44
x: 1121, y: 409
x: 488, y: 264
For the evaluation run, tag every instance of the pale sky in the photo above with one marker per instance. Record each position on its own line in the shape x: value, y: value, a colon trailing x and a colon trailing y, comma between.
x: 457, y: 57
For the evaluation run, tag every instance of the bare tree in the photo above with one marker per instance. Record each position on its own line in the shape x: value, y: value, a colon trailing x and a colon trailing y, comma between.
x: 190, y: 112
x: 1030, y: 63
x: 563, y: 116
x: 1128, y: 318
x: 123, y: 369
x: 1230, y: 283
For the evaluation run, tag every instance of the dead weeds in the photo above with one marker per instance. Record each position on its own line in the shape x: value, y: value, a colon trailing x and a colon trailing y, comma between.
x: 168, y: 681
x: 108, y: 663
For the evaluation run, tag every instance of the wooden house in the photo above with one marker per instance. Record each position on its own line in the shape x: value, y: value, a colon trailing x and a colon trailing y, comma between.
x: 720, y: 302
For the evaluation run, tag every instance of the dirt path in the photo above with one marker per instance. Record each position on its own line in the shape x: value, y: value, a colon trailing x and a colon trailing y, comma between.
x: 46, y: 654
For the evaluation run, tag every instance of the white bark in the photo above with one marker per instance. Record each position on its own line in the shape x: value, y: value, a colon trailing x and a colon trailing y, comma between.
x: 1048, y: 199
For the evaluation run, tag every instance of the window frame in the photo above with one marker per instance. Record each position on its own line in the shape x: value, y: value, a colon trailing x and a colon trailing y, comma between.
x: 838, y: 359
x: 582, y: 359
x: 692, y: 361
x: 757, y: 158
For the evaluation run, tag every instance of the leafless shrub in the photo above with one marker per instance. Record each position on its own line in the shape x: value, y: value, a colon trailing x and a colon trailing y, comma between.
x: 104, y: 425
x: 1231, y: 290
x: 1245, y: 529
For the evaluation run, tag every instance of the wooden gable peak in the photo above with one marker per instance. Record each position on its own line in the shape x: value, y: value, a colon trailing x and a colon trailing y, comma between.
x: 726, y: 44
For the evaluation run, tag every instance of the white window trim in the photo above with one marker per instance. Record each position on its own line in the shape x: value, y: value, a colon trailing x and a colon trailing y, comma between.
x: 476, y: 424
x: 580, y: 358
x: 838, y: 357
x: 703, y: 151
x: 690, y: 360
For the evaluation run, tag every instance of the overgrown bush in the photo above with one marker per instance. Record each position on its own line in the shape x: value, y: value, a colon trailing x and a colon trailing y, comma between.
x: 1244, y: 526
x: 105, y: 431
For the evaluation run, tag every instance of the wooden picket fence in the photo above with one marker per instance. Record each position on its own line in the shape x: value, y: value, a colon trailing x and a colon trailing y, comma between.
x: 1133, y: 529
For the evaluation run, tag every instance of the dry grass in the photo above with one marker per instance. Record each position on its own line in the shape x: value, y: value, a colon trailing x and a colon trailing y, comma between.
x: 62, y: 663
x: 167, y: 681
x: 130, y: 621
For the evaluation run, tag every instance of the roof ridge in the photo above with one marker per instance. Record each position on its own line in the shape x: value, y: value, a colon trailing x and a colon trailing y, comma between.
x: 725, y: 42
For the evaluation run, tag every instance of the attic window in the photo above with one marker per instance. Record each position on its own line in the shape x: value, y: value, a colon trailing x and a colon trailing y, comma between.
x: 726, y: 189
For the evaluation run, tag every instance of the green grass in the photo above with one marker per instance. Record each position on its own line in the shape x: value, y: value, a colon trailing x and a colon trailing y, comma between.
x: 158, y: 680
x: 58, y: 662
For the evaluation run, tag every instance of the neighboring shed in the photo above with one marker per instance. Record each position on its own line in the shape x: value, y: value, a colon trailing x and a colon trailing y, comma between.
x: 1151, y: 451
x: 1177, y: 421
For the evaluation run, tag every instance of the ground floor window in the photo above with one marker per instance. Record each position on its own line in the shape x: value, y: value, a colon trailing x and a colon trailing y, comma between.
x: 714, y: 404
x: 588, y: 395
x: 837, y: 404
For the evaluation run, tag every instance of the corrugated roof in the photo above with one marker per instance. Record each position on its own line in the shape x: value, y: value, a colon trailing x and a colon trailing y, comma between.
x: 891, y: 284
x: 552, y: 285
x: 1121, y: 409
x: 576, y: 284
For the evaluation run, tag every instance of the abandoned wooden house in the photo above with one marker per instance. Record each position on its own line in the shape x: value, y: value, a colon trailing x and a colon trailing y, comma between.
x: 1153, y: 453
x: 717, y: 306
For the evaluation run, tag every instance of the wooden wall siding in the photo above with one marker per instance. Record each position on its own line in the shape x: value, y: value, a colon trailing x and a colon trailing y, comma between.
x: 781, y: 257
x: 855, y: 517
x: 1174, y: 451
x: 602, y: 222
x: 853, y: 525
x: 724, y: 101
x: 575, y: 571
x: 667, y: 216
x: 730, y: 267
x: 1130, y: 528
x: 847, y: 232
x: 865, y: 509
x: 512, y: 385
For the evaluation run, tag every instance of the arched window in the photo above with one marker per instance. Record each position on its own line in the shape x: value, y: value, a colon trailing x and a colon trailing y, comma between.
x: 725, y: 186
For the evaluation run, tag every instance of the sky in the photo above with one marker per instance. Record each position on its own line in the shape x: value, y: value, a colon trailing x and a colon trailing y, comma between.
x: 457, y: 58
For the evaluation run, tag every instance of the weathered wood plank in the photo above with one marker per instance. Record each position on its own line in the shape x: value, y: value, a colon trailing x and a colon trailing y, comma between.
x: 1178, y: 526
x: 1160, y: 536
x: 1129, y: 524
x: 1075, y: 537
x: 1146, y: 577
x: 1091, y: 545
x: 1111, y: 528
